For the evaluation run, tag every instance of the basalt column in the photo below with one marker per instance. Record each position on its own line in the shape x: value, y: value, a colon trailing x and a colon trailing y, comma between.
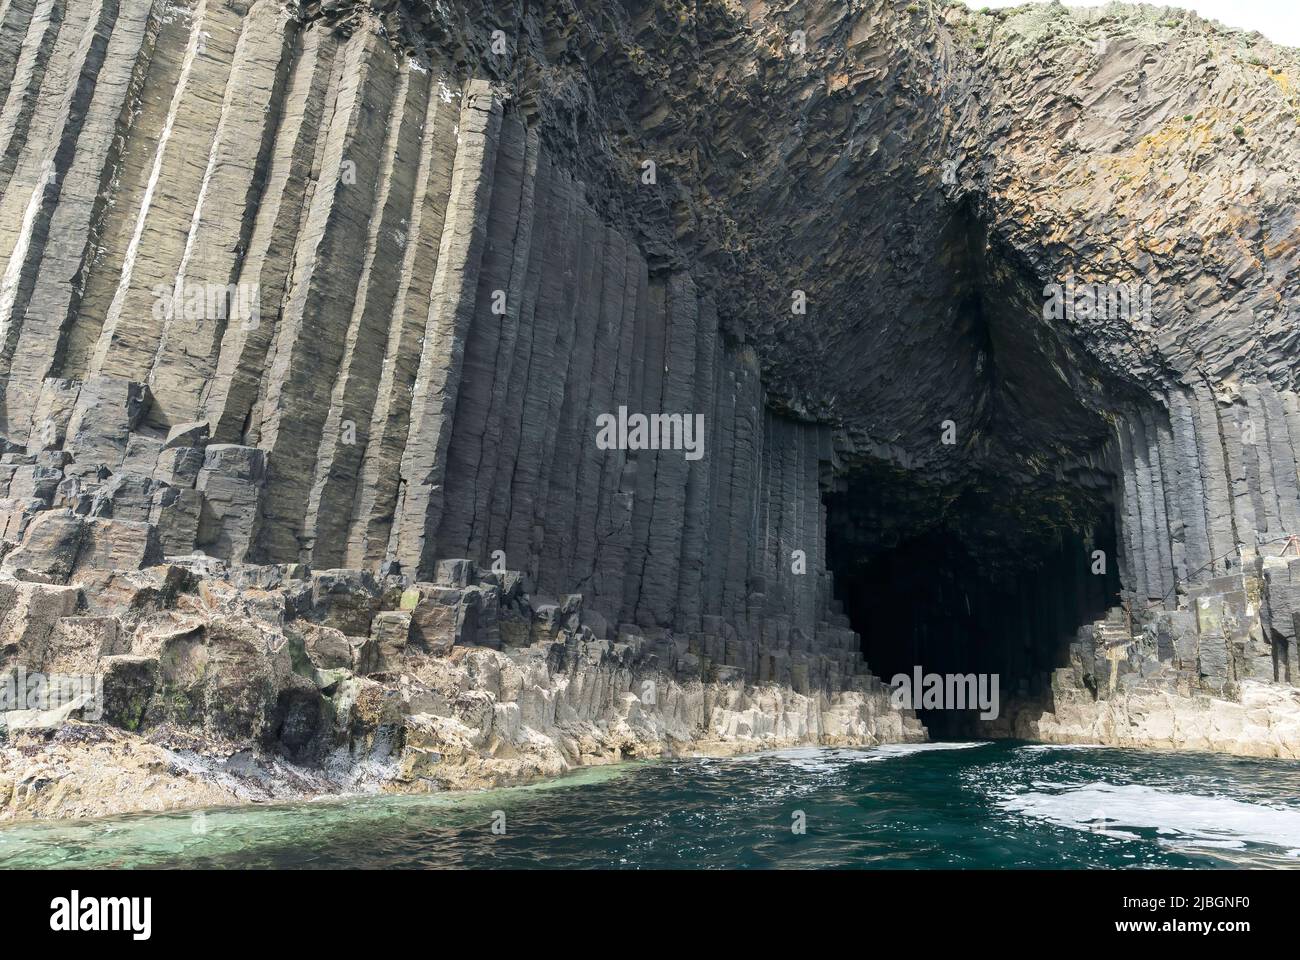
x: 278, y: 296
x: 357, y: 288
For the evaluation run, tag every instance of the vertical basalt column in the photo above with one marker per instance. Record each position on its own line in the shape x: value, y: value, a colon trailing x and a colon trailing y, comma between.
x: 791, y: 519
x: 223, y: 221
x: 809, y: 608
x: 1290, y: 403
x: 1153, y: 527
x: 147, y: 115
x: 647, y: 392
x: 1174, y: 504
x: 16, y: 18
x: 1113, y: 463
x: 558, y: 270
x: 132, y: 329
x: 452, y: 310
x: 664, y: 543
x: 569, y: 432
x: 695, y: 532
x: 1189, y: 487
x: 40, y: 153
x: 1214, y: 478
x: 1257, y: 464
x: 764, y: 547
x: 1130, y: 519
x: 346, y: 432
x: 50, y: 46
x: 745, y: 490
x: 42, y: 282
x: 617, y: 480
x: 529, y: 346
x: 377, y: 487
x: 1161, y: 521
x: 521, y: 287
x: 491, y: 333
x: 1243, y: 471
x: 311, y: 335
x: 722, y: 456
x: 826, y: 605
x: 1281, y: 455
x: 782, y: 504
x: 606, y: 360
x: 299, y: 138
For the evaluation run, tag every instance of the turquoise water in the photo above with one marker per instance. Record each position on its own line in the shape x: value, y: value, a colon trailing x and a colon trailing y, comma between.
x: 928, y: 805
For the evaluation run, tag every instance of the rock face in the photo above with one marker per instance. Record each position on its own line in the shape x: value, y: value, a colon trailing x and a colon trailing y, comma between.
x: 1212, y: 677
x: 316, y: 304
x: 340, y: 304
x: 269, y: 682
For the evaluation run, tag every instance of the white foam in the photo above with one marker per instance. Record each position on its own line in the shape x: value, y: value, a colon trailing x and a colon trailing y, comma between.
x: 821, y: 758
x: 907, y: 749
x: 1041, y: 747
x: 1179, y: 818
x: 805, y: 758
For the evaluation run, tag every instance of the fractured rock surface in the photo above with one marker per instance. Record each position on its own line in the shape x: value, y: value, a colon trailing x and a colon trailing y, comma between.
x: 332, y: 307
x: 338, y: 293
x: 253, y: 683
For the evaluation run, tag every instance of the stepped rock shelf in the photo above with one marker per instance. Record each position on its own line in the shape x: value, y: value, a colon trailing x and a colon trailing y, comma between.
x: 309, y: 312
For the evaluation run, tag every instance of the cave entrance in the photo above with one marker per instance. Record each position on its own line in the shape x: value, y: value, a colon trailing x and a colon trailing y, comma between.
x: 984, y: 581
x: 983, y: 551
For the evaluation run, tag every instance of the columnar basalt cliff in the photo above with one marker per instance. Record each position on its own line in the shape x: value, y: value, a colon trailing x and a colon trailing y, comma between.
x: 310, y: 316
x: 419, y: 315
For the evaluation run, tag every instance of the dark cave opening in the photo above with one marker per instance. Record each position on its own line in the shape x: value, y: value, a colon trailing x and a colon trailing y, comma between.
x: 983, y: 556
x: 980, y: 582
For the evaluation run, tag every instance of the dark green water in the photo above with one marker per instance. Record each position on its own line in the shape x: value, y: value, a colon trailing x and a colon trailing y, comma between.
x: 934, y: 805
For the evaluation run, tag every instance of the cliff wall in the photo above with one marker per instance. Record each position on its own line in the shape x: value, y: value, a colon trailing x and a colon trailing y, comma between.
x: 336, y: 298
x: 288, y: 296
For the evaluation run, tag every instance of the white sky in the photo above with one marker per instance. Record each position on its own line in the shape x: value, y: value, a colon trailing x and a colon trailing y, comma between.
x: 1279, y: 20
